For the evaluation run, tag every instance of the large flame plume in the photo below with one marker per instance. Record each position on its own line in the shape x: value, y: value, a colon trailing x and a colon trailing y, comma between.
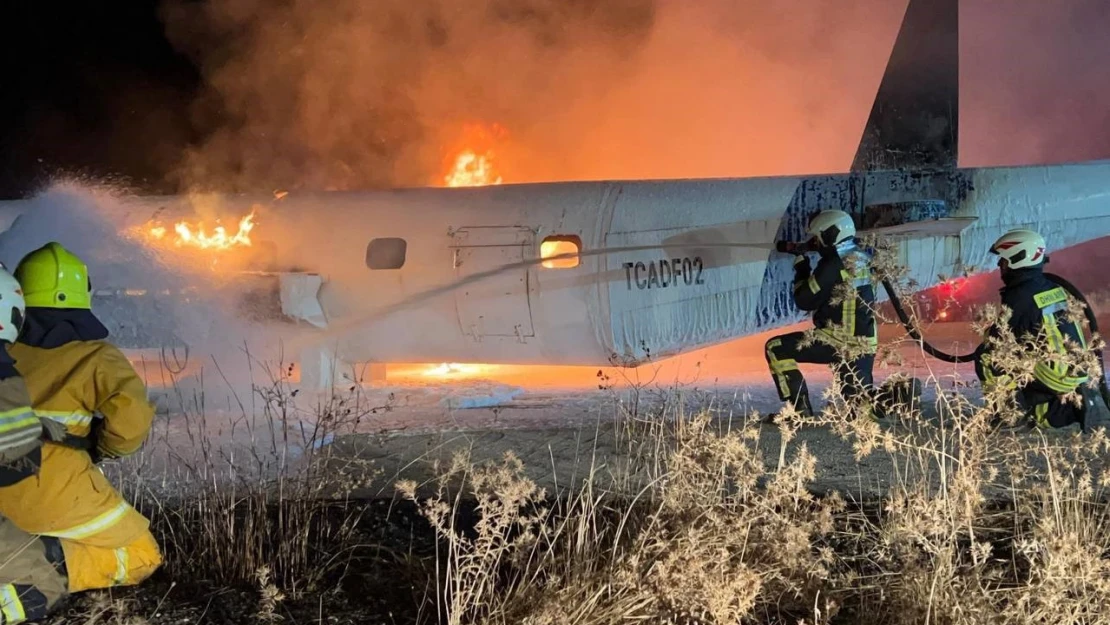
x: 207, y: 238
x: 473, y: 163
x: 202, y: 236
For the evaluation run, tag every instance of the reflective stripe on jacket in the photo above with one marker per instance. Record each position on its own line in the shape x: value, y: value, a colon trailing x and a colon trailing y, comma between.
x: 849, y: 320
x: 1038, y: 304
x: 73, y: 382
x: 20, y: 432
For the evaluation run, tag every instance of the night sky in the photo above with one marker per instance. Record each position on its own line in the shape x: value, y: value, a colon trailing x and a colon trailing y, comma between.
x: 93, y: 89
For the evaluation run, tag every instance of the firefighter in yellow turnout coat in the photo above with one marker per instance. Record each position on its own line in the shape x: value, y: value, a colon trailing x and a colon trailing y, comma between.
x: 76, y: 378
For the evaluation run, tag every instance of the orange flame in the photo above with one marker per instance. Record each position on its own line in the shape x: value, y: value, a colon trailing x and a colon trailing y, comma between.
x: 198, y: 235
x: 472, y: 170
x: 474, y: 163
x: 452, y: 368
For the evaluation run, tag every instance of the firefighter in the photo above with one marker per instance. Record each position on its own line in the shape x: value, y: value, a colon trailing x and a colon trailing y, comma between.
x: 32, y: 578
x: 845, y: 329
x: 76, y: 378
x: 1037, y: 304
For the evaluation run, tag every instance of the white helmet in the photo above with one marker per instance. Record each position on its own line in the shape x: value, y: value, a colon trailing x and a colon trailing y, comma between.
x: 1020, y: 248
x: 832, y: 227
x: 11, y: 306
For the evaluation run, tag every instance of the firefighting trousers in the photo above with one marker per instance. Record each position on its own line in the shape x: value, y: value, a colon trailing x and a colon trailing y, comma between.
x: 106, y: 542
x: 1045, y: 407
x: 31, y: 580
x: 785, y: 351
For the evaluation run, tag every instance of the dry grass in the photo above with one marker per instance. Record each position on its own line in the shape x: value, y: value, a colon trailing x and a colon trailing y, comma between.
x: 982, y: 526
x: 275, y: 509
x: 270, y: 513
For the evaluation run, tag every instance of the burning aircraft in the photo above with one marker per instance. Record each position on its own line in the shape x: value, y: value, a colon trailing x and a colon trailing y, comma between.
x: 589, y: 273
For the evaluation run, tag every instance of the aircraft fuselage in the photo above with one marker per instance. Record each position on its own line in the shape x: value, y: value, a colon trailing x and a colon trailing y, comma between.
x: 381, y: 265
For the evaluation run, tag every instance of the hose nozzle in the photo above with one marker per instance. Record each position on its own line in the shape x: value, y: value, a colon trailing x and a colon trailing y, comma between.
x: 791, y: 247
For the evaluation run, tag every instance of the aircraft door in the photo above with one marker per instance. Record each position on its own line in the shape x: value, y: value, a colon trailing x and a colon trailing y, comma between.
x: 500, y: 304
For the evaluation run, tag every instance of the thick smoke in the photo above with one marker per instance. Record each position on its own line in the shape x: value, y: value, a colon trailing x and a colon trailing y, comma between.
x: 347, y: 93
x: 80, y: 217
x: 1034, y: 82
x: 147, y: 297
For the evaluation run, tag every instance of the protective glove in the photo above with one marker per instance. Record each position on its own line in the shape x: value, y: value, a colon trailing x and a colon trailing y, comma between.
x: 97, y: 451
x: 801, y: 268
x: 789, y: 247
x: 52, y: 430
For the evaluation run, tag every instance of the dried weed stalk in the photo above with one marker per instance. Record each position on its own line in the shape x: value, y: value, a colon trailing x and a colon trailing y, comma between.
x: 982, y: 525
x: 279, y: 504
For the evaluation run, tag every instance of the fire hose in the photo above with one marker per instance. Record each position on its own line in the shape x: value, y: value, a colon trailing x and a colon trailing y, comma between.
x: 916, y: 335
x: 907, y: 322
x: 1088, y: 312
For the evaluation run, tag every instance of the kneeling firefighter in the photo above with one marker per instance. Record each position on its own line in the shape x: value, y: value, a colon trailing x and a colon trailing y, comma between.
x: 846, y: 332
x: 76, y: 378
x: 32, y: 578
x: 1038, y: 305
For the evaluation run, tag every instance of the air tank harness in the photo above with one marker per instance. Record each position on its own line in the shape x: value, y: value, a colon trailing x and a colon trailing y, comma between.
x: 1089, y: 312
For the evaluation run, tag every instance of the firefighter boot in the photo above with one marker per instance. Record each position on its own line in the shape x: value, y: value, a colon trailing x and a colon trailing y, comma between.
x: 1094, y: 414
x: 898, y: 397
x: 802, y: 408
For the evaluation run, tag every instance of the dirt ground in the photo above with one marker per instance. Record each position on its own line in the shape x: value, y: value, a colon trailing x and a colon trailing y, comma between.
x: 558, y: 419
x: 389, y: 581
x: 563, y: 422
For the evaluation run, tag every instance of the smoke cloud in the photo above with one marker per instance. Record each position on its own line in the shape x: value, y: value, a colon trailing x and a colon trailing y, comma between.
x: 1034, y: 82
x: 161, y: 306
x: 343, y: 94
x: 351, y: 94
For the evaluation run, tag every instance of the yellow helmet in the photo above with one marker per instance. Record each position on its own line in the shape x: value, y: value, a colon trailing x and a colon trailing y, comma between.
x: 53, y: 277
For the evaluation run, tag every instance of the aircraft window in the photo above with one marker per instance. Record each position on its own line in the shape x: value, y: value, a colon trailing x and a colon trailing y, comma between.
x: 558, y: 245
x: 387, y: 253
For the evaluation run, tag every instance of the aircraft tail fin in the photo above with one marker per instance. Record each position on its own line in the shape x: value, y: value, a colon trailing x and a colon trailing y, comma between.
x: 914, y: 119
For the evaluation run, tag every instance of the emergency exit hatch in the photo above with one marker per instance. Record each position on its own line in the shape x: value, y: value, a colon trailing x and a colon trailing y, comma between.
x: 498, y: 305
